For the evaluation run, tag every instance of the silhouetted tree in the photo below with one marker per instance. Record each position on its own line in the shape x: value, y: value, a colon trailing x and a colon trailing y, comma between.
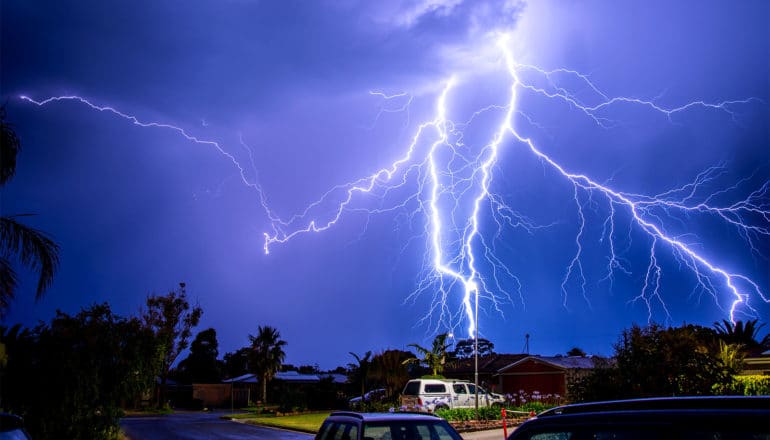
x: 236, y: 363
x: 31, y: 247
x: 655, y: 361
x: 68, y: 379
x: 360, y: 371
x: 171, y: 319
x: 746, y: 334
x: 201, y: 365
x: 466, y: 348
x: 576, y: 351
x: 388, y: 367
x: 266, y: 355
x: 435, y: 358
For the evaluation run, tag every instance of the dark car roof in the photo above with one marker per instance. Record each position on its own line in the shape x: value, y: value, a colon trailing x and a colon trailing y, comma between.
x: 384, y: 417
x: 662, y: 414
x: 665, y: 403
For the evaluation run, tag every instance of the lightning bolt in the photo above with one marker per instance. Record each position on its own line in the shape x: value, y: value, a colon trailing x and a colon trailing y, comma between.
x: 448, y: 178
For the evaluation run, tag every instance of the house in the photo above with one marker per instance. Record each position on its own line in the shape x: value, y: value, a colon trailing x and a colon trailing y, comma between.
x: 489, y: 365
x: 757, y: 364
x: 543, y: 375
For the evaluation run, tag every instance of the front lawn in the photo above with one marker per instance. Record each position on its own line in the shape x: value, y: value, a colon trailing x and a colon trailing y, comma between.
x: 310, y: 422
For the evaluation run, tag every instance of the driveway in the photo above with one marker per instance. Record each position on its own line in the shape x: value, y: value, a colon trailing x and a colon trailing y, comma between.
x: 199, y: 426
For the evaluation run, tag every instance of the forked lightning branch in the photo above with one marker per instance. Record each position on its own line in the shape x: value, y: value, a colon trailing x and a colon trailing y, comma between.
x: 449, y: 181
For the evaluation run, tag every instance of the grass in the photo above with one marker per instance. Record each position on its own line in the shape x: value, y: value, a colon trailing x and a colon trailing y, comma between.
x: 309, y: 422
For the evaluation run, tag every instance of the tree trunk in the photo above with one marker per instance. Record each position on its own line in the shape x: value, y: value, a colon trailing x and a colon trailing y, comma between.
x: 264, y: 389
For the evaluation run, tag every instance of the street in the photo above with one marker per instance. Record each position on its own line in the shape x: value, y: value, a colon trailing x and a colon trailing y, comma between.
x: 199, y: 426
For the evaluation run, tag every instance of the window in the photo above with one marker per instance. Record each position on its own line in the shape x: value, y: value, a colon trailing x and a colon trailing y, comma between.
x: 435, y: 388
x: 338, y: 431
x: 459, y: 388
x: 412, y: 388
x: 408, y: 430
x: 471, y: 388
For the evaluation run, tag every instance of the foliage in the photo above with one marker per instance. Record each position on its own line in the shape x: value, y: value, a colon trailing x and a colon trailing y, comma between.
x: 360, y: 371
x: 576, y: 351
x: 171, y: 319
x: 266, y: 355
x: 201, y: 365
x: 750, y: 385
x: 745, y: 334
x: 487, y: 412
x: 69, y: 378
x: 236, y: 363
x: 33, y: 248
x: 654, y: 361
x: 388, y: 368
x: 731, y: 355
x: 10, y: 146
x: 466, y: 348
x: 435, y: 358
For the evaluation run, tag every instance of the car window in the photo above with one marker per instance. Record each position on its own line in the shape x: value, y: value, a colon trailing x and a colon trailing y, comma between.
x: 412, y: 388
x: 471, y: 388
x: 551, y: 436
x: 459, y: 388
x: 409, y: 430
x: 338, y: 431
x: 435, y: 388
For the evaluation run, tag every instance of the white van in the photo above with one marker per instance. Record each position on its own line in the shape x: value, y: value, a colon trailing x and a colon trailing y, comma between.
x: 432, y: 394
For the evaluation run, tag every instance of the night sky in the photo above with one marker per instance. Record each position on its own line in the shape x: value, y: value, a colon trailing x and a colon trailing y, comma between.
x: 299, y: 100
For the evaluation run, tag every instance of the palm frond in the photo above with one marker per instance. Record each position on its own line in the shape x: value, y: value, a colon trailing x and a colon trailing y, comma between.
x: 32, y: 247
x: 9, y: 149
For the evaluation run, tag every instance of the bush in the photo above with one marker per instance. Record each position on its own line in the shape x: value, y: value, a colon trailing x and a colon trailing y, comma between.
x: 754, y: 385
x: 486, y: 412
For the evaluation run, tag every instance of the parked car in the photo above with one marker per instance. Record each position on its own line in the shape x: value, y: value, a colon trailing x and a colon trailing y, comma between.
x: 734, y: 418
x: 375, y: 395
x: 433, y: 394
x: 385, y: 426
x: 12, y: 428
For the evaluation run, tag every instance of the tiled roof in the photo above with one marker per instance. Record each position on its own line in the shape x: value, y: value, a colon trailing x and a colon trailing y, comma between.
x: 565, y: 362
x: 487, y: 364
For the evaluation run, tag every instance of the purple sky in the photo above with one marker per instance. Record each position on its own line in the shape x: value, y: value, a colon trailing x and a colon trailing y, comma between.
x: 299, y: 98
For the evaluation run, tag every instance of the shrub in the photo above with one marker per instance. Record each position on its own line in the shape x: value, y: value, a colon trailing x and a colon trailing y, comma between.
x: 754, y: 385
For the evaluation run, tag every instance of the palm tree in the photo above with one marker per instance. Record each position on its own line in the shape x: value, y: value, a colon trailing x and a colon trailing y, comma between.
x: 360, y: 371
x: 743, y: 333
x: 30, y: 246
x: 267, y: 355
x: 731, y: 355
x: 435, y: 358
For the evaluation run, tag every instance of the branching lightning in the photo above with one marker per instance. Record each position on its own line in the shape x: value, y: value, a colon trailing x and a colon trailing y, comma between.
x: 448, y: 179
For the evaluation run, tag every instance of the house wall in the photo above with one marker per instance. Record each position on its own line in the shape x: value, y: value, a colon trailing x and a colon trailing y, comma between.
x: 531, y: 376
x: 212, y: 394
x: 545, y: 383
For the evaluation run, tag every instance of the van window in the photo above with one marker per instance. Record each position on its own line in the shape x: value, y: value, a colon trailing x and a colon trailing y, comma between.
x: 459, y: 388
x: 435, y: 388
x: 412, y: 388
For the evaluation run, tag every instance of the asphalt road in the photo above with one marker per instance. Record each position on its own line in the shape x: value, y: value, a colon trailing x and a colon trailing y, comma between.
x: 199, y: 426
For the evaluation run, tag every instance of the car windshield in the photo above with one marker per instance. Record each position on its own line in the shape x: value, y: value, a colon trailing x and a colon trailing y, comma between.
x: 409, y: 430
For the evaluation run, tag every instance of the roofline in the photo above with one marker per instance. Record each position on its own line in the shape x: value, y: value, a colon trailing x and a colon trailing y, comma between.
x: 539, y: 358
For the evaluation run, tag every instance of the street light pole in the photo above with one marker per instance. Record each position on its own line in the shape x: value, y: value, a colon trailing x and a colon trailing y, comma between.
x: 476, y: 354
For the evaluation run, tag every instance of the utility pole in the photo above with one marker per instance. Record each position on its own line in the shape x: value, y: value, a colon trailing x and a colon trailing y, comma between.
x: 476, y: 355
